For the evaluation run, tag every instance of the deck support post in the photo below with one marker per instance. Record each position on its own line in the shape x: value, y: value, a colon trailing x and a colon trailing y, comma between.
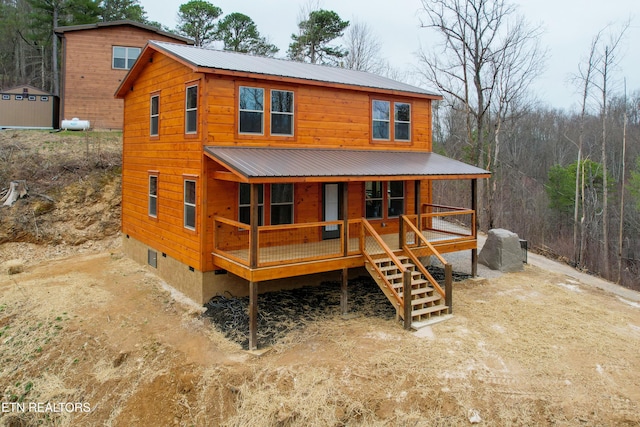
x: 406, y: 297
x: 474, y: 206
x: 344, y: 292
x: 448, y: 287
x: 253, y: 315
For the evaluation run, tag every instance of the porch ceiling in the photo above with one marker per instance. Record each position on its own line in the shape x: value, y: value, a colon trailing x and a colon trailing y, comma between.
x: 258, y: 164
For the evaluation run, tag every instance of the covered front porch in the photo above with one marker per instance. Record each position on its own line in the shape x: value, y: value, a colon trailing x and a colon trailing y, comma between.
x: 391, y: 246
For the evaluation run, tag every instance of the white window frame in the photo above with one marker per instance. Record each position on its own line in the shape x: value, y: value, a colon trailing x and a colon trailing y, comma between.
x: 154, y: 117
x: 240, y: 110
x: 283, y: 113
x: 190, y: 110
x: 396, y: 121
x: 153, y: 197
x: 127, y: 56
x: 375, y: 120
x: 190, y: 204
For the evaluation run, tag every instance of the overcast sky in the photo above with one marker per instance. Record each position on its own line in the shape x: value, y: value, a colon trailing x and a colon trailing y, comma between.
x: 569, y: 26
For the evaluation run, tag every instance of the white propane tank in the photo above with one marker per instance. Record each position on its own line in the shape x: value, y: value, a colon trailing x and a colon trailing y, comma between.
x: 75, y: 124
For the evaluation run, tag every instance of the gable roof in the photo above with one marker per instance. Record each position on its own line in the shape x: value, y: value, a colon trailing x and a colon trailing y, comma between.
x: 32, y: 90
x: 151, y: 28
x: 225, y: 62
x: 266, y: 164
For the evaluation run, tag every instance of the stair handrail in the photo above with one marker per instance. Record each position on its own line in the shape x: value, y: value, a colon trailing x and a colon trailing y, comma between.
x: 368, y: 227
x: 448, y: 268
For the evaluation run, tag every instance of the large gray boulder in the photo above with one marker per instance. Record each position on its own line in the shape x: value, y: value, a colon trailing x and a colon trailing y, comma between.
x: 502, y: 251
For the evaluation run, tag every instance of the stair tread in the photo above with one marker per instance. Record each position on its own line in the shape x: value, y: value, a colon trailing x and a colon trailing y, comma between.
x: 431, y: 309
x: 425, y: 300
x: 416, y: 291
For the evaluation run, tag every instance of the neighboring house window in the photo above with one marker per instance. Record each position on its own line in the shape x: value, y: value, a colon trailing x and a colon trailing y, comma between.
x: 32, y: 98
x: 19, y: 97
x: 376, y: 202
x: 373, y: 199
x: 381, y: 119
x: 244, y: 211
x: 251, y: 110
x: 125, y: 57
x: 281, y: 112
x: 395, y: 198
x: 155, y: 115
x: 153, y: 196
x: 189, y: 204
x: 281, y: 204
x: 6, y: 97
x: 191, y: 110
x: 44, y: 98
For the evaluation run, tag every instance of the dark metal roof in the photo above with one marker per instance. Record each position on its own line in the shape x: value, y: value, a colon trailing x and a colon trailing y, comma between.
x: 255, y: 163
x: 239, y: 62
x: 82, y: 27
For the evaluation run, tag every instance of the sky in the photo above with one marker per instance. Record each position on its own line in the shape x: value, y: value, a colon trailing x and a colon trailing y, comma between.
x: 568, y: 26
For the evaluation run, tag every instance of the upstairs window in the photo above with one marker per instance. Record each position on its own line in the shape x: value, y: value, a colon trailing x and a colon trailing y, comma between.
x: 402, y: 121
x: 189, y: 204
x: 281, y: 112
x: 191, y: 110
x: 251, y: 110
x: 124, y: 57
x: 154, y: 114
x: 386, y: 126
x: 381, y: 120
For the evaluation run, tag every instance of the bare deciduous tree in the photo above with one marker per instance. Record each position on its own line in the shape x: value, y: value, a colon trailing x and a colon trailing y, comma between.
x: 363, y: 47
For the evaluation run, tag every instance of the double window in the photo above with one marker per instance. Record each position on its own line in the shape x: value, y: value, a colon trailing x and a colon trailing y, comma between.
x: 124, y: 57
x: 384, y: 199
x: 280, y: 203
x: 391, y: 121
x: 251, y: 107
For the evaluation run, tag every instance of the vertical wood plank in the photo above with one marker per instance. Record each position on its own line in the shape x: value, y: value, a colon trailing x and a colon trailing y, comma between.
x: 406, y: 296
x: 253, y: 220
x: 253, y: 315
x: 474, y: 206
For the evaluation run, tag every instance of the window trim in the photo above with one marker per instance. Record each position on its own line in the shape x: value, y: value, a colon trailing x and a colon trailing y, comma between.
x: 188, y: 110
x: 155, y: 116
x: 126, y: 56
x: 392, y: 121
x: 248, y: 205
x: 388, y: 122
x: 281, y: 113
x: 386, y: 199
x: 187, y: 205
x: 262, y: 112
x: 152, y: 174
x: 291, y: 204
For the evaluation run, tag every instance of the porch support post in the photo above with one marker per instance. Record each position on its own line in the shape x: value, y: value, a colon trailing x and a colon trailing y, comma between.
x: 418, y: 209
x: 448, y: 287
x: 345, y: 218
x: 253, y: 222
x: 474, y: 206
x: 344, y: 292
x: 253, y: 315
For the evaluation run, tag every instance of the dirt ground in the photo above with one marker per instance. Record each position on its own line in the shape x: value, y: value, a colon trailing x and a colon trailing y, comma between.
x: 87, y: 326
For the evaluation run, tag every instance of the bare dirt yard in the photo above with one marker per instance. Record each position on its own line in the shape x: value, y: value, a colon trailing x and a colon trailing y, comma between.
x: 90, y: 338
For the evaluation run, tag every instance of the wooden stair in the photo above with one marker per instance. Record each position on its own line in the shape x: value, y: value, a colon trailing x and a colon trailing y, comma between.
x: 426, y: 302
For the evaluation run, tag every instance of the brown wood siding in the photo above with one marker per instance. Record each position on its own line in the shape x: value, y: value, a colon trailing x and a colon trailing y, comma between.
x: 89, y: 79
x: 172, y: 155
x: 328, y: 118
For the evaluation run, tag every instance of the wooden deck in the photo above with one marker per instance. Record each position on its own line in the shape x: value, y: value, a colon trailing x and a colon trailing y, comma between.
x: 289, y: 260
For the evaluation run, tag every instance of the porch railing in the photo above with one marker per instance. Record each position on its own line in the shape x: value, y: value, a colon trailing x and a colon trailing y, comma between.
x: 439, y: 222
x: 282, y: 244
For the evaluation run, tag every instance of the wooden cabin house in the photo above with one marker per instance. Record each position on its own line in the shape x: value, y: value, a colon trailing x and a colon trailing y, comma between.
x: 95, y: 60
x: 241, y: 170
